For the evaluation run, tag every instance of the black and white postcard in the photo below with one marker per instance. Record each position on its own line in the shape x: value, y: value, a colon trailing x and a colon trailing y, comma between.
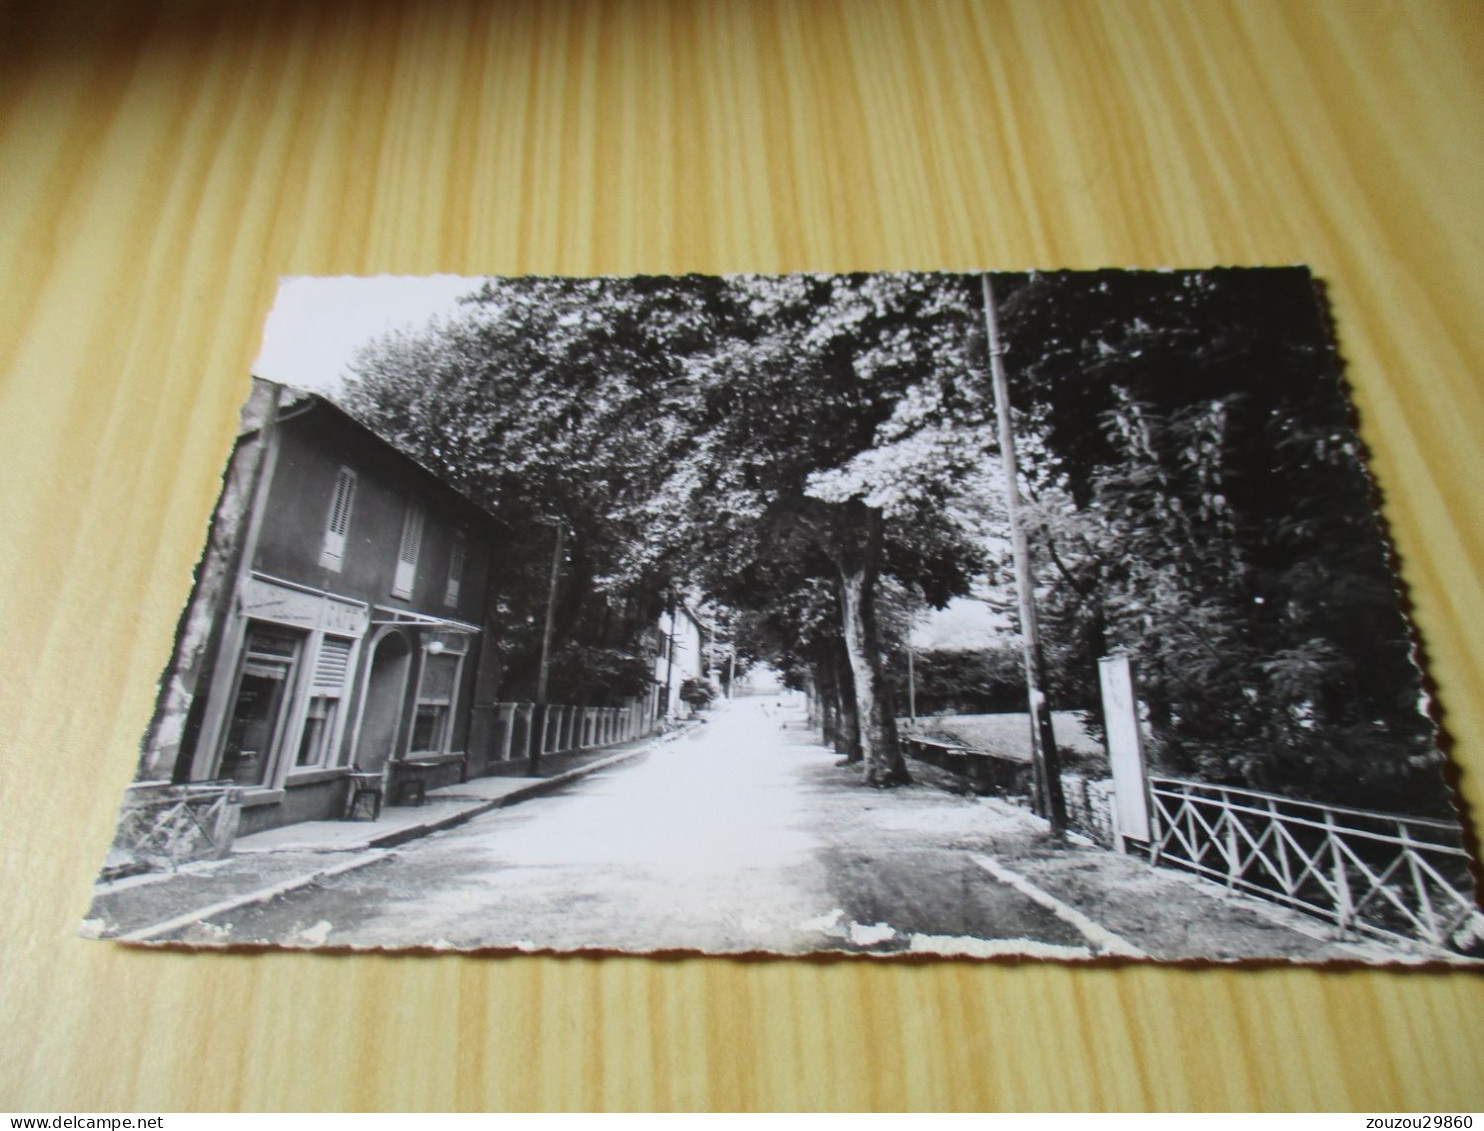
x: 1018, y: 614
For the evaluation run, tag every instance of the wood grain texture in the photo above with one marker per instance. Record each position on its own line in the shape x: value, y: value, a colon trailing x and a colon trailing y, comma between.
x: 162, y: 164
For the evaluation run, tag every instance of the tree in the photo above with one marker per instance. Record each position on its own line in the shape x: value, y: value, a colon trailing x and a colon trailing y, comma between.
x: 709, y: 431
x: 826, y: 420
x: 551, y: 402
x: 1198, y: 500
x: 989, y: 680
x: 792, y: 621
x: 697, y: 694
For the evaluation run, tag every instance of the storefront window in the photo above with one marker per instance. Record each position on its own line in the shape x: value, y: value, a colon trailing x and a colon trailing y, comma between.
x: 260, y: 705
x: 435, y: 699
x: 319, y: 726
x: 428, y: 726
x: 331, y: 670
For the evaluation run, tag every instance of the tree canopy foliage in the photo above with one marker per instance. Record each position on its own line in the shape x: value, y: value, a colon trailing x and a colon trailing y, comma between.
x: 1199, y: 501
x: 553, y: 402
x: 814, y: 454
x: 829, y: 443
x: 980, y: 681
x: 755, y: 438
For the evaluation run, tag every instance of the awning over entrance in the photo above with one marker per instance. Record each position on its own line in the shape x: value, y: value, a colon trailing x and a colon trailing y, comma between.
x: 380, y: 615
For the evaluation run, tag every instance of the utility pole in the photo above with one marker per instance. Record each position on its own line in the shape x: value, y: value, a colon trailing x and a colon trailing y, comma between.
x: 546, y: 634
x: 911, y: 687
x: 1052, y: 803
x: 670, y: 656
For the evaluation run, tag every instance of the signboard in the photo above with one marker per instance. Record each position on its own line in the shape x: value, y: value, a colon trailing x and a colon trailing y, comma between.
x: 1125, y: 749
x: 264, y: 600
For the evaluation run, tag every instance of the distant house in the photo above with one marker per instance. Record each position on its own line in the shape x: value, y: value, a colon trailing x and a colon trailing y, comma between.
x: 680, y: 656
x: 336, y: 622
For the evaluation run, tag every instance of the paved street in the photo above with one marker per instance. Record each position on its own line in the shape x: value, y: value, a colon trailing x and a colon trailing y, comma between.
x: 746, y: 836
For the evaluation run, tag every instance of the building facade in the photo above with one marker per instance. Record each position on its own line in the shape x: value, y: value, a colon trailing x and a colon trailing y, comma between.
x: 337, y: 622
x: 680, y: 655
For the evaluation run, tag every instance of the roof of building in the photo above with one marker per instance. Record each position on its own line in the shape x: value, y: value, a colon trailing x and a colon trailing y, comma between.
x: 294, y: 403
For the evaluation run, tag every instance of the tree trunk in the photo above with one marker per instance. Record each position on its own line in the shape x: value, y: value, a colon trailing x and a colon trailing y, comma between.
x: 824, y: 704
x: 851, y: 535
x: 858, y: 563
x: 849, y: 737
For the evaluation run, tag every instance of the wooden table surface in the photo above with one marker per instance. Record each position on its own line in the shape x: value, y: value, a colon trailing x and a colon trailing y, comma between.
x: 162, y: 164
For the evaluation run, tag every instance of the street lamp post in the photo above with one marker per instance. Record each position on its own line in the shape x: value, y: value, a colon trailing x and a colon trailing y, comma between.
x: 546, y: 634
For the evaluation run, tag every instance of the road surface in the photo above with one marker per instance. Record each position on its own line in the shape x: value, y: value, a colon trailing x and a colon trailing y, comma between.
x: 742, y: 836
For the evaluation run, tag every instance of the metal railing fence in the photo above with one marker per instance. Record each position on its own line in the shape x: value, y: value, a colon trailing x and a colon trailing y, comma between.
x: 1387, y: 874
x: 166, y: 825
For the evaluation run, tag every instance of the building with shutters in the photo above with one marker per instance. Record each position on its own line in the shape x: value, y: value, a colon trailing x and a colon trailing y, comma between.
x: 680, y: 654
x: 336, y: 625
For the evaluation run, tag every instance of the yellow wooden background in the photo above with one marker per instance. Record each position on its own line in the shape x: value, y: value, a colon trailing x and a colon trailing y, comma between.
x: 162, y: 164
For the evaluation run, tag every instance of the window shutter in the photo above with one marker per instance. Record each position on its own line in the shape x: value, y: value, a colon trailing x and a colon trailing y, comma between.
x: 332, y: 554
x: 407, y: 552
x: 332, y: 665
x: 455, y: 571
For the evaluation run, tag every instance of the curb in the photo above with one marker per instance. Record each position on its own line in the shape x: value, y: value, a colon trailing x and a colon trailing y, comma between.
x: 1104, y: 942
x: 262, y: 895
x: 391, y: 840
x: 546, y: 785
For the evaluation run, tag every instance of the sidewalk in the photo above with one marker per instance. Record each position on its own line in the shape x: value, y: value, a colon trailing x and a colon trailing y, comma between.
x: 445, y: 808
x: 275, y: 861
x: 1161, y: 913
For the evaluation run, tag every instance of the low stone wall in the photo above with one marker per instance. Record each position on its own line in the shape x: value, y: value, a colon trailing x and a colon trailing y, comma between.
x: 1089, y: 800
x: 321, y: 800
x: 987, y: 774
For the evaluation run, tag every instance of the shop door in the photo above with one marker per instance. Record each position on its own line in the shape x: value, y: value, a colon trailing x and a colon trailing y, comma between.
x: 386, y: 696
x: 260, y: 706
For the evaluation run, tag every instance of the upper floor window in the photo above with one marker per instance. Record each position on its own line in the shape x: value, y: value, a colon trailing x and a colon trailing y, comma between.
x: 408, y: 551
x: 455, y: 570
x: 332, y: 551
